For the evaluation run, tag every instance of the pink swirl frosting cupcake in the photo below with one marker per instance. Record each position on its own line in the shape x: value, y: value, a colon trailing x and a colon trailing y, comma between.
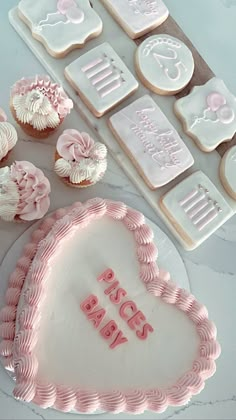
x: 39, y: 105
x: 24, y: 192
x: 8, y: 136
x: 79, y: 160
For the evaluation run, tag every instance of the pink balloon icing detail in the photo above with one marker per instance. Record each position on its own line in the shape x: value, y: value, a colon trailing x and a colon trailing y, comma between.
x: 225, y: 114
x: 75, y: 15
x: 215, y: 100
x: 64, y: 5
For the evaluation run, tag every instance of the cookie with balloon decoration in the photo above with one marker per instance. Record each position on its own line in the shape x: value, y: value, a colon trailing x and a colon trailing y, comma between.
x: 60, y: 25
x: 208, y: 114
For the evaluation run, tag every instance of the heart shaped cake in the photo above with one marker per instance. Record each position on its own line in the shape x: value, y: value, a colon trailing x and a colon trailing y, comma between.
x: 92, y: 323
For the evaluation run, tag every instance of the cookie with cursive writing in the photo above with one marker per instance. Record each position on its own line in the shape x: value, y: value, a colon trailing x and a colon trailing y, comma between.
x: 137, y: 17
x: 60, y: 25
x: 228, y: 171
x: 208, y: 114
x: 164, y: 64
x: 195, y: 208
x: 152, y: 143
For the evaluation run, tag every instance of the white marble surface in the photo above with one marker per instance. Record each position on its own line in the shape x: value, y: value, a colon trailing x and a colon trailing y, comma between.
x: 211, y: 268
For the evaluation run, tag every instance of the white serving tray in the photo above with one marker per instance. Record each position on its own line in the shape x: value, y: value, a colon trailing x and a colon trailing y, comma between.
x: 125, y: 47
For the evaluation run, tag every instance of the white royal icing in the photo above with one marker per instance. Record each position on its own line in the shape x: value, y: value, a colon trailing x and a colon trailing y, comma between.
x: 8, y: 138
x: 61, y: 24
x: 152, y: 141
x: 230, y: 170
x: 34, y: 108
x: 138, y: 17
x: 197, y: 206
x: 209, y: 114
x: 101, y: 77
x: 9, y: 196
x: 86, y: 169
x: 165, y: 62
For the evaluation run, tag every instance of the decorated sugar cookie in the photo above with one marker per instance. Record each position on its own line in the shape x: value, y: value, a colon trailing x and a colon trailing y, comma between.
x: 164, y: 64
x: 208, y: 114
x: 101, y: 78
x: 137, y: 17
x: 195, y: 208
x: 151, y: 142
x: 228, y: 171
x: 61, y: 25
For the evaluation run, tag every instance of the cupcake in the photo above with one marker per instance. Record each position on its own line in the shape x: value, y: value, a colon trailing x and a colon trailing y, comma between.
x: 24, y: 192
x: 39, y: 106
x: 79, y: 160
x: 8, y: 136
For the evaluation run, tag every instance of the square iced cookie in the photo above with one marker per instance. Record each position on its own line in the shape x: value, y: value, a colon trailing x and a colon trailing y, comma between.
x: 101, y: 78
x: 137, y: 17
x: 60, y: 25
x: 151, y: 142
x: 208, y: 114
x: 195, y: 208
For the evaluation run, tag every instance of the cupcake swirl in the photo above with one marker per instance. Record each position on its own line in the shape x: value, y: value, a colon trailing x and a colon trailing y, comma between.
x: 81, y: 158
x: 8, y: 135
x: 40, y: 102
x: 24, y: 192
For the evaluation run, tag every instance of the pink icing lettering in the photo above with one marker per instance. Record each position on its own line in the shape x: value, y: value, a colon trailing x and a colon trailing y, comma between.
x: 120, y: 339
x: 127, y: 305
x: 136, y: 320
x: 108, y: 276
x: 89, y: 304
x: 108, y: 330
x: 118, y: 296
x: 112, y: 287
x: 96, y: 317
x: 142, y: 335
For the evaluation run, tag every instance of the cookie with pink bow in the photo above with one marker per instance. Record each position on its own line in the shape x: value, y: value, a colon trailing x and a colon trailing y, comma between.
x: 60, y: 25
x: 8, y: 136
x: 79, y: 160
x: 208, y: 114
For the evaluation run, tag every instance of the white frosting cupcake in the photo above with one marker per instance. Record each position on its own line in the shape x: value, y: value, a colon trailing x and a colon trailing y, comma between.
x: 80, y: 161
x: 8, y: 136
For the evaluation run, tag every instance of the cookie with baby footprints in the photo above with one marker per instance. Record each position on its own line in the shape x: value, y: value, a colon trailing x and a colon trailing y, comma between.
x: 164, y: 64
x: 60, y: 25
x: 137, y: 17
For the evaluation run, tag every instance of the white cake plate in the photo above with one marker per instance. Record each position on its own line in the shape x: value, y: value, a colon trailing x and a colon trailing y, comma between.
x: 169, y: 258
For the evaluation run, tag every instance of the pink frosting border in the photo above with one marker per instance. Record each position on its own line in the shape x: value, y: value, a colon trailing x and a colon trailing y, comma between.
x: 17, y: 350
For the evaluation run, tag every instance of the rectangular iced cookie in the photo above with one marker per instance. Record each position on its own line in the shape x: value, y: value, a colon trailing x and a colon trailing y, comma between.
x: 137, y: 17
x: 151, y: 142
x: 101, y: 78
x: 195, y: 208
